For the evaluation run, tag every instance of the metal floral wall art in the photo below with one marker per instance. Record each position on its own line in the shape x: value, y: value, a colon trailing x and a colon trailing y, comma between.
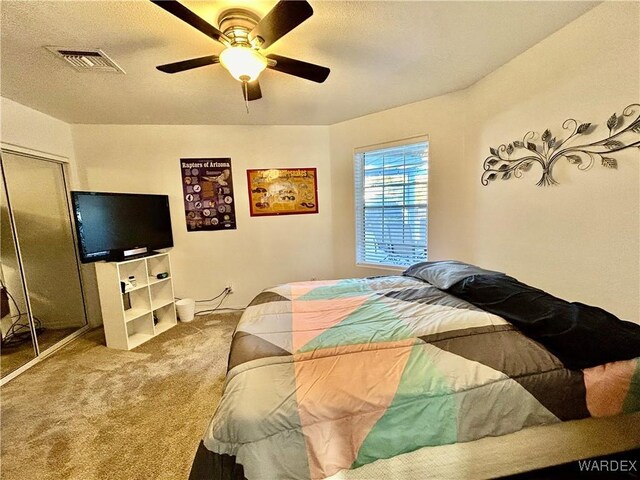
x: 512, y: 160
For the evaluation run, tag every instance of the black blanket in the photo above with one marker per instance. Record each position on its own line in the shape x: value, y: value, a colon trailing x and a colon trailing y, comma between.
x: 580, y: 335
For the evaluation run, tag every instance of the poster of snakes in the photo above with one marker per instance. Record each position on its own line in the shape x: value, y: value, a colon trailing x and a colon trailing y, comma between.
x: 207, y: 187
x: 282, y: 191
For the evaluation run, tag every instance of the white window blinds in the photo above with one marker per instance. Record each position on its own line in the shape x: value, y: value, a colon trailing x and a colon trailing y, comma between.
x: 391, y: 204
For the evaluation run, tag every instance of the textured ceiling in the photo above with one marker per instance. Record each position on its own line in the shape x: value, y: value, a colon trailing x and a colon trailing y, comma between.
x: 381, y: 55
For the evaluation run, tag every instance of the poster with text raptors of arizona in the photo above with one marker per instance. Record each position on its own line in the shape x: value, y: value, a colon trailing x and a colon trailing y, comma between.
x: 207, y: 191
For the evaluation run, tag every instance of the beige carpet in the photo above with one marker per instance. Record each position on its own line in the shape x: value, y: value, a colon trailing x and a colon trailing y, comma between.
x: 89, y: 412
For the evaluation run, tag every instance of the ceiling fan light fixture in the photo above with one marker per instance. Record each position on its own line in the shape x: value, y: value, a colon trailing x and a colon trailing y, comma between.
x: 243, y: 63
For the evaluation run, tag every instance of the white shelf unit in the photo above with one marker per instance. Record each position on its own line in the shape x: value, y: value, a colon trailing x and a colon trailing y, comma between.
x: 152, y: 309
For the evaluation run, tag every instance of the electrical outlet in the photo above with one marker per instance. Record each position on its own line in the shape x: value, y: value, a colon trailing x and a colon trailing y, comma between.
x: 229, y: 287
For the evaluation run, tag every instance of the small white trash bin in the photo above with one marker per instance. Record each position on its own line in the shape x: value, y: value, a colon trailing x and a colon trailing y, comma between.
x: 186, y: 309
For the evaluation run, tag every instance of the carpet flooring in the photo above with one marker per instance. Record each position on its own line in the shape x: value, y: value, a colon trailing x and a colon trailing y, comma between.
x: 90, y: 412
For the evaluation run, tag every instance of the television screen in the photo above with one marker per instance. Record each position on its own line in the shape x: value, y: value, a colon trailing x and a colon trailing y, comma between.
x: 109, y: 224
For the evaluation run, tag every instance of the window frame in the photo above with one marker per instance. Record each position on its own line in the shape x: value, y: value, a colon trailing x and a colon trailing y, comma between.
x: 359, y: 200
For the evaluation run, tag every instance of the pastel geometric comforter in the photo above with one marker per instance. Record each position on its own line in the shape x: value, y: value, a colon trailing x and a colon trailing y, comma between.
x: 332, y: 375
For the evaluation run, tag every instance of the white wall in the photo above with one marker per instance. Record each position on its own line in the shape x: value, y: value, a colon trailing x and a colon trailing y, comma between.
x: 262, y: 251
x: 578, y: 240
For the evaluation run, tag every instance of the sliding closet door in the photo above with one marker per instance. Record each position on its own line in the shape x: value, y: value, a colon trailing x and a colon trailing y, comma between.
x: 18, y: 344
x: 39, y: 202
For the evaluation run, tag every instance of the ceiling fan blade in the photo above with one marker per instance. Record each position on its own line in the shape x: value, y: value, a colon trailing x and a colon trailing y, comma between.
x: 183, y: 13
x: 189, y: 64
x: 298, y: 68
x: 284, y: 17
x: 253, y: 91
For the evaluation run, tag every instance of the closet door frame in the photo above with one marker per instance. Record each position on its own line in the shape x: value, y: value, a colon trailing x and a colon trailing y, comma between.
x: 63, y: 163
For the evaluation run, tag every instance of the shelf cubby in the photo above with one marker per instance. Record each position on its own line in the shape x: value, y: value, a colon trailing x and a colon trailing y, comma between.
x: 139, y: 300
x: 166, y: 317
x: 136, y: 269
x: 139, y: 330
x: 158, y: 264
x: 161, y: 294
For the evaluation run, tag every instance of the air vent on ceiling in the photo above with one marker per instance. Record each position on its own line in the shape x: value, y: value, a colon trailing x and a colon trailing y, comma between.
x: 86, y: 60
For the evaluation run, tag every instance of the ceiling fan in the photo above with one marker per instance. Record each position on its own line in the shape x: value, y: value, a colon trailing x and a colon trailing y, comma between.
x: 245, y: 35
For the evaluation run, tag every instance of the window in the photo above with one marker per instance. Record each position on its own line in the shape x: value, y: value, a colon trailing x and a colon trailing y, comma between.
x: 391, y: 203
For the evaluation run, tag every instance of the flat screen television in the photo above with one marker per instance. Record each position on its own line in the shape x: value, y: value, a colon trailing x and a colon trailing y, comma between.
x: 117, y: 226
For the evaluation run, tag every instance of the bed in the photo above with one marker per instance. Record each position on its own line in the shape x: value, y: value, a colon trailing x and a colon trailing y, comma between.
x: 325, y: 377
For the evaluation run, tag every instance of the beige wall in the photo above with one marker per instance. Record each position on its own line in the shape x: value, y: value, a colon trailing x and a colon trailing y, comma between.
x: 578, y: 240
x: 262, y: 251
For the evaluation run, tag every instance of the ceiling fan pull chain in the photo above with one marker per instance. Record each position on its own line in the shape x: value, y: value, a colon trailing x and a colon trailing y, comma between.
x: 245, y: 86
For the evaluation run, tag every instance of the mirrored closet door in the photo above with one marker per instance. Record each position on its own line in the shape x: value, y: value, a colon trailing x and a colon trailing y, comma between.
x: 39, y: 266
x: 18, y: 342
